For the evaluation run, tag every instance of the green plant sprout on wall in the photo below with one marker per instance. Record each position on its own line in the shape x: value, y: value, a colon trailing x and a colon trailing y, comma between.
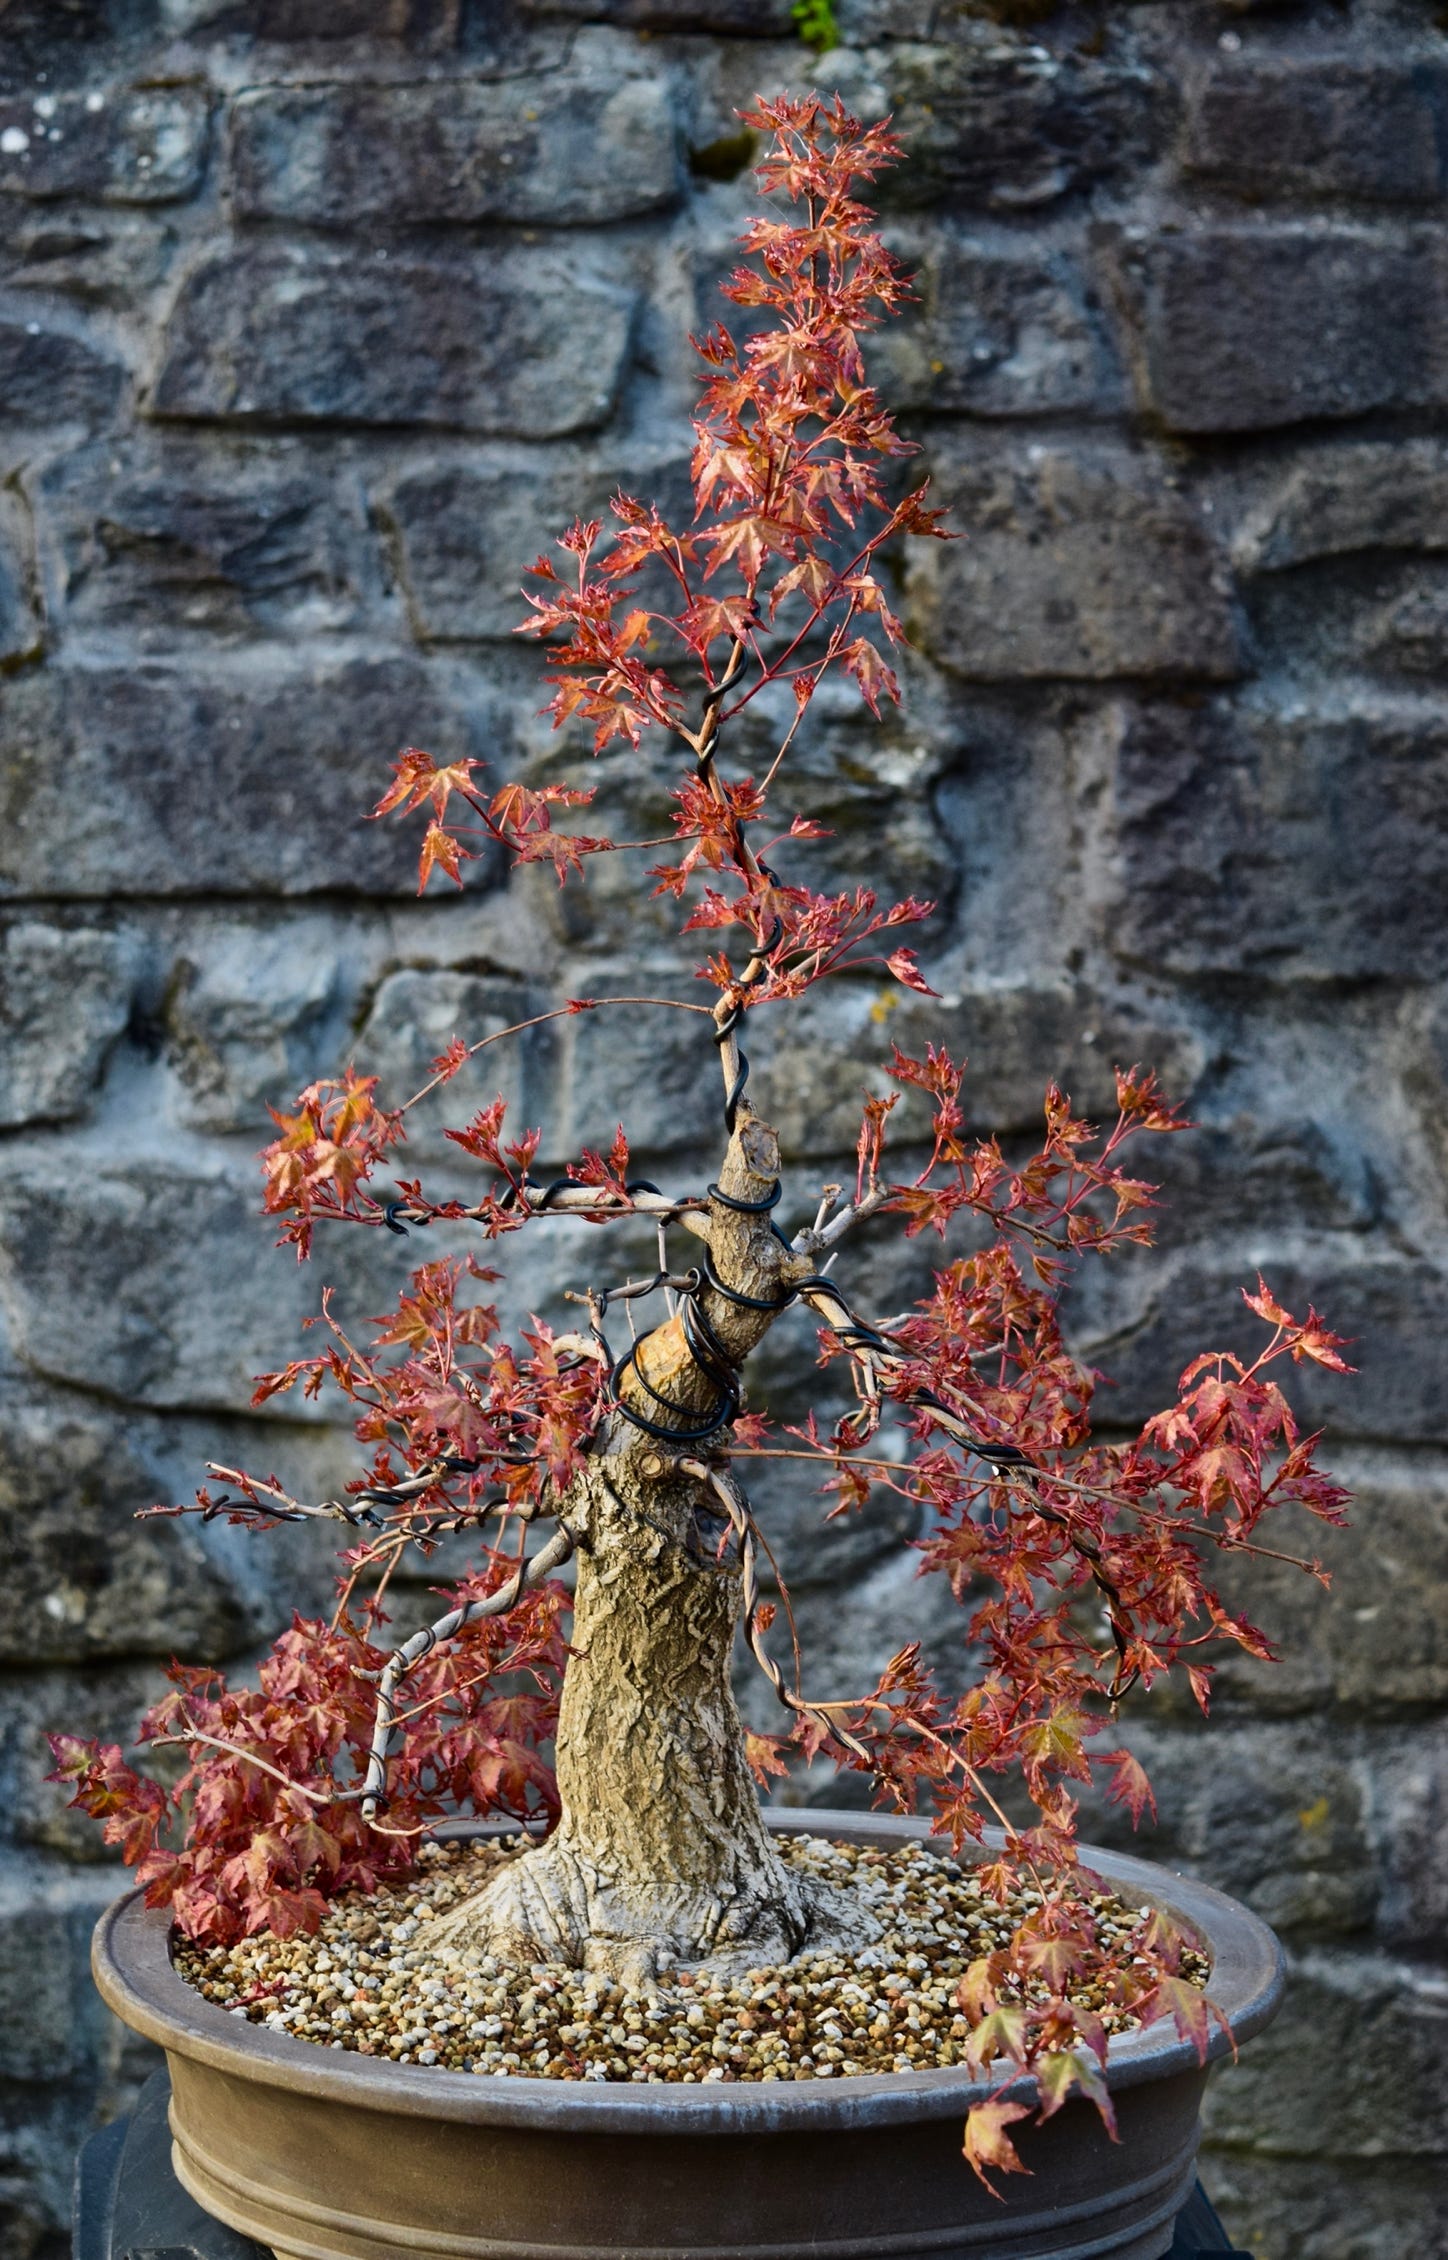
x: 815, y: 22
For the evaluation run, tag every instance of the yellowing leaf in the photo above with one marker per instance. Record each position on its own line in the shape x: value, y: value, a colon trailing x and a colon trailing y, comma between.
x: 987, y: 2143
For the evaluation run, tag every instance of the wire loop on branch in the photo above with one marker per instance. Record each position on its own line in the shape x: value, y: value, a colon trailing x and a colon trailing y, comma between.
x: 412, y: 1652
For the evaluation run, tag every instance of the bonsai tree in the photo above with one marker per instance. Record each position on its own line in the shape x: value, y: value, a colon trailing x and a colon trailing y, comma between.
x: 1081, y: 1564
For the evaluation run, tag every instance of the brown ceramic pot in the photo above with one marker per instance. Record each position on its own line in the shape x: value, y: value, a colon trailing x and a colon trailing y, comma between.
x: 327, y: 2155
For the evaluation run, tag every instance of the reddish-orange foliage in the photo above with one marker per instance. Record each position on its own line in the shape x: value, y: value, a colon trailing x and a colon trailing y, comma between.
x: 1081, y: 1563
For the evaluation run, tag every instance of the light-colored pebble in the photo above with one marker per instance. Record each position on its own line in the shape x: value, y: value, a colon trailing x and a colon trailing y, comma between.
x: 891, y: 2007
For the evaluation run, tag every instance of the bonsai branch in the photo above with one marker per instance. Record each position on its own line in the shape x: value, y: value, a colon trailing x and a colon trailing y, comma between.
x: 403, y: 1659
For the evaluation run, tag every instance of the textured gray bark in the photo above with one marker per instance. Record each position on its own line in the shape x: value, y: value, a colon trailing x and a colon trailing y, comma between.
x: 660, y: 1855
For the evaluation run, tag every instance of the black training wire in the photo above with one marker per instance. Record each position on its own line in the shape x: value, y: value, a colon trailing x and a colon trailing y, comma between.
x: 747, y: 1208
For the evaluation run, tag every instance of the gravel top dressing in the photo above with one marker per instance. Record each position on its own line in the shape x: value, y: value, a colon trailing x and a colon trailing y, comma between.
x: 368, y: 1982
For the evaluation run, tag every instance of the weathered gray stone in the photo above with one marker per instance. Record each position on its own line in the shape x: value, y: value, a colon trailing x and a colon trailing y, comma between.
x: 1079, y: 564
x: 186, y: 537
x: 848, y: 1635
x: 1296, y: 844
x: 1245, y: 329
x: 20, y: 624
x: 998, y: 334
x: 251, y: 1017
x: 464, y: 534
x: 814, y: 1070
x: 1345, y: 498
x: 751, y: 17
x: 423, y: 25
x: 83, y: 1578
x: 173, y: 1293
x: 1392, y: 1308
x: 655, y: 1072
x: 1326, y: 2208
x: 107, y: 257
x: 813, y: 1554
x: 1379, y: 615
x: 105, y: 1702
x: 595, y: 142
x: 48, y: 376
x: 65, y: 996
x: 41, y: 1976
x: 115, y: 778
x: 995, y: 122
x: 415, y: 1015
x: 1315, y: 126
x: 529, y: 343
x: 1291, y: 2092
x: 1410, y: 1794
x: 1262, y: 1810
x: 131, y: 145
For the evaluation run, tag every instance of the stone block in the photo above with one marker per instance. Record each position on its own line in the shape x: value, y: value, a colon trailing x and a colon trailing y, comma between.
x: 752, y: 18
x: 848, y: 1633
x: 1282, y: 844
x: 251, y: 1016
x: 106, y: 256
x: 1374, y: 1643
x: 1245, y: 329
x: 1326, y: 2208
x: 48, y: 376
x: 127, y: 145
x: 1292, y: 2094
x: 1248, y: 1170
x: 591, y: 143
x: 1380, y: 616
x: 1346, y: 499
x: 84, y: 1580
x: 183, y: 537
x: 1266, y: 1811
x: 65, y: 996
x: 814, y: 1070
x: 1315, y: 127
x: 20, y: 625
x: 1390, y: 1306
x: 1410, y: 1785
x: 39, y: 1988
x: 997, y: 334
x: 655, y: 1072
x: 523, y: 342
x: 464, y: 534
x: 1078, y: 563
x: 162, y: 1286
x: 992, y: 122
x: 117, y: 776
x: 813, y: 1554
x: 414, y: 1016
x: 426, y: 27
x: 105, y: 1701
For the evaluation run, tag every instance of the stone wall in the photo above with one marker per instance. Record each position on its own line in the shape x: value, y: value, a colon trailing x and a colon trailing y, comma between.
x: 314, y: 316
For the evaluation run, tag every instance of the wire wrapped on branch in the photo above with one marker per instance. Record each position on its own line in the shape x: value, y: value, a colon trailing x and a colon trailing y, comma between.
x: 564, y: 1196
x: 412, y: 1652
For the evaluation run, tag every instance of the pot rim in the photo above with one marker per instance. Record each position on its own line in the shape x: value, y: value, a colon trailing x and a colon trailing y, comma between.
x: 131, y: 1963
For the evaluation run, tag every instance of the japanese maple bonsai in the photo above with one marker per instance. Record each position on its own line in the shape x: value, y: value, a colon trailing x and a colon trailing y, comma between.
x: 1079, y: 1563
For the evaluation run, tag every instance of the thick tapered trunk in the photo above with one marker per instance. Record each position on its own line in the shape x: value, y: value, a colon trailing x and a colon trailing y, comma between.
x: 660, y: 1858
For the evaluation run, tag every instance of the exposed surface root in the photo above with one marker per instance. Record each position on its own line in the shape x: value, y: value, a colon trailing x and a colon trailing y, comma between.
x: 554, y: 1905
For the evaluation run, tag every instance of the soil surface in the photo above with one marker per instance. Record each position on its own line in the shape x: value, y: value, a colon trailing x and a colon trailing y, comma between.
x: 368, y: 1980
